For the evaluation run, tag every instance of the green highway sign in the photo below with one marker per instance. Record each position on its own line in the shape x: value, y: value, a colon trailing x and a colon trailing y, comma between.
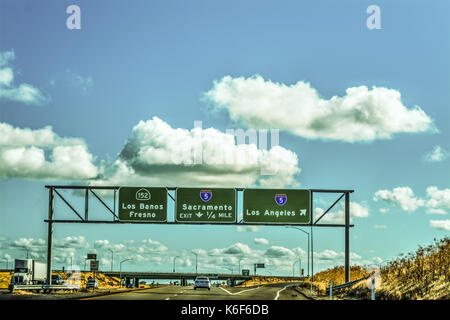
x: 207, y: 205
x: 94, y: 265
x: 91, y: 256
x: 277, y: 206
x: 142, y: 204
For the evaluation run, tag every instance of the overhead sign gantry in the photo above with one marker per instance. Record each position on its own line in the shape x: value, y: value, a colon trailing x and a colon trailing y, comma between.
x: 148, y: 205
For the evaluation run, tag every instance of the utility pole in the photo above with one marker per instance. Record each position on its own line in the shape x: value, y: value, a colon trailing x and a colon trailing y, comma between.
x: 112, y: 258
x: 174, y: 259
x: 195, y: 261
x: 239, y: 271
x: 308, y: 236
x: 120, y: 272
x: 300, y: 267
x: 6, y: 260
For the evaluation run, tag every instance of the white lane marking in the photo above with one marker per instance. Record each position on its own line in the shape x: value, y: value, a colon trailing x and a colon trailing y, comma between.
x: 279, y: 291
x: 236, y: 293
x: 167, y: 298
x: 225, y: 290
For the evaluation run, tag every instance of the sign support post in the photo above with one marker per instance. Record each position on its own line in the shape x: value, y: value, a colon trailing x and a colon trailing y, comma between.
x: 50, y: 236
x: 347, y: 237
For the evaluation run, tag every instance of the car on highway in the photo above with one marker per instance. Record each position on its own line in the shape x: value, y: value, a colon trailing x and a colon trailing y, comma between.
x: 91, y: 283
x: 202, y: 282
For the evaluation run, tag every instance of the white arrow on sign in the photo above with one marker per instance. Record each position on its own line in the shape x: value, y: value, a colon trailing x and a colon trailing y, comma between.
x: 199, y: 214
x: 303, y: 212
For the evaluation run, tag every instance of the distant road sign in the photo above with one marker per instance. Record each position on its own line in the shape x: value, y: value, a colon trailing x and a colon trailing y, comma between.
x: 94, y: 265
x: 92, y: 256
x: 259, y: 265
x: 245, y: 272
x: 277, y: 206
x: 142, y: 204
x: 212, y: 205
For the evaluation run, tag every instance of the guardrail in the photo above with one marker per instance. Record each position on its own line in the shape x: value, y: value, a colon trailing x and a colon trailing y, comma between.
x: 43, y: 287
x: 346, y: 285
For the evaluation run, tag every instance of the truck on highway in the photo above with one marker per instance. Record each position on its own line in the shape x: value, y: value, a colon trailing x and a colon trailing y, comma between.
x: 29, y: 271
x: 30, y: 274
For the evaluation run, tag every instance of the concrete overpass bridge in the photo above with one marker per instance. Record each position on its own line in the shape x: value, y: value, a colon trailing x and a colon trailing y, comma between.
x: 133, y: 278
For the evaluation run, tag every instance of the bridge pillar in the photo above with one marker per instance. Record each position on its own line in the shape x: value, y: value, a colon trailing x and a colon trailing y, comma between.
x: 127, y: 282
x: 232, y: 282
x: 136, y: 282
x: 183, y: 282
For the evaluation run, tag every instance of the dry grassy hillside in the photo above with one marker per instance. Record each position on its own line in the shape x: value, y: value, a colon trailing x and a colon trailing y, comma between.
x: 5, y: 278
x: 261, y: 280
x: 423, y: 274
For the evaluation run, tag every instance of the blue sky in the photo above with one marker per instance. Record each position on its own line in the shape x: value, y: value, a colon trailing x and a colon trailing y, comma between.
x: 168, y: 59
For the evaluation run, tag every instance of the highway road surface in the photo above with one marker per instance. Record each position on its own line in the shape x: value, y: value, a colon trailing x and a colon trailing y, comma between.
x: 281, y: 291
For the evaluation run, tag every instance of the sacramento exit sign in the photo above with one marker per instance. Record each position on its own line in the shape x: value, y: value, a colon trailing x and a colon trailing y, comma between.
x: 207, y: 205
x: 287, y: 206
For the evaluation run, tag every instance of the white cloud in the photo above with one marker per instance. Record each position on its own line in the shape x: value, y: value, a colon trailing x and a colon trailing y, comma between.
x: 439, y: 200
x: 6, y: 57
x: 157, y: 154
x: 200, y: 252
x: 84, y: 83
x: 72, y: 243
x: 22, y: 155
x: 440, y: 224
x: 247, y: 228
x: 384, y: 210
x: 326, y: 255
x: 438, y: 154
x: 73, y: 250
x: 380, y: 226
x: 300, y: 252
x: 235, y: 249
x: 331, y: 255
x: 356, y: 211
x: 5, y: 257
x: 402, y: 196
x: 24, y: 92
x: 142, y: 247
x: 29, y: 243
x: 277, y: 251
x: 261, y: 241
x: 152, y: 156
x: 361, y: 115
